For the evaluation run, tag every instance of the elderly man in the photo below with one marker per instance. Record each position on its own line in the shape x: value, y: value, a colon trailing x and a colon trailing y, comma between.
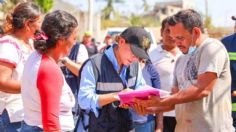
x: 202, y: 99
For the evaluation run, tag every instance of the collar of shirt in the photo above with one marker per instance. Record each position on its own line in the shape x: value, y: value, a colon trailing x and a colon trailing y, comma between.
x: 112, y: 58
x: 166, y: 53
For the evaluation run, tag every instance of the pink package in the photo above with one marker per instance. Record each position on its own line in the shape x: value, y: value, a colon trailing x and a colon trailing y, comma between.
x: 128, y: 97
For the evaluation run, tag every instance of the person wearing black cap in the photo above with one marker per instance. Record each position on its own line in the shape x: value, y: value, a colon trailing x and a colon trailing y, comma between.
x: 106, y: 74
x: 230, y: 45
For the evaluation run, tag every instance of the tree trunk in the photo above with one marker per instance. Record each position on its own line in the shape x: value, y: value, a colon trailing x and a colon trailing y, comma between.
x: 90, y: 18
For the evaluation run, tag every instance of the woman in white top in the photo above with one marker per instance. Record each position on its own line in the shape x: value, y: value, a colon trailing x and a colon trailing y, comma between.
x: 14, y: 50
x: 47, y: 98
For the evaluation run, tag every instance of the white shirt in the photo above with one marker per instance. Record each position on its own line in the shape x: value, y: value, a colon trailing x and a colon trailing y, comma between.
x: 81, y: 57
x: 13, y: 52
x: 31, y: 96
x: 164, y: 62
x: 82, y: 54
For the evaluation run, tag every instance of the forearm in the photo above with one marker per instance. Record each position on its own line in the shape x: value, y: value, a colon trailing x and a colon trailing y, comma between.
x: 105, y: 99
x: 73, y: 67
x: 10, y: 86
x: 7, y: 84
x: 189, y: 94
x: 201, y: 89
x: 86, y: 99
x: 162, y: 109
x: 159, y: 121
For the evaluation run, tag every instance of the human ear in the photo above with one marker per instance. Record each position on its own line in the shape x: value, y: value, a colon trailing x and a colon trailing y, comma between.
x: 27, y: 25
x: 60, y: 42
x: 121, y: 41
x: 196, y: 32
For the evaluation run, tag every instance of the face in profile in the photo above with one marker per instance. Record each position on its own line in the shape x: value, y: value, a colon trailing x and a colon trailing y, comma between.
x: 166, y: 38
x: 87, y: 39
x: 182, y: 37
x: 126, y: 55
x: 108, y: 41
x: 69, y: 42
x: 34, y: 26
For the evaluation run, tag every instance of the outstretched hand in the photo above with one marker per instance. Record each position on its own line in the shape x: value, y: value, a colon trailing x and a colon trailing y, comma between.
x: 152, y: 101
x: 142, y: 107
x: 174, y: 90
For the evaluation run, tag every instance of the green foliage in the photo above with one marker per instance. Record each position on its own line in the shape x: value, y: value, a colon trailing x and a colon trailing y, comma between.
x: 45, y: 5
x: 143, y: 21
x: 136, y: 20
x: 145, y: 5
x: 7, y: 6
x: 208, y: 22
x: 114, y: 23
x: 108, y: 10
x: 122, y: 20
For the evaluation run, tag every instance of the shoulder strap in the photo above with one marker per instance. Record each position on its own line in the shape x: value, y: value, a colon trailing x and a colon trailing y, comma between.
x: 74, y: 51
x: 73, y: 57
x: 81, y: 112
x: 80, y: 71
x: 133, y: 69
x: 95, y: 63
x: 136, y: 66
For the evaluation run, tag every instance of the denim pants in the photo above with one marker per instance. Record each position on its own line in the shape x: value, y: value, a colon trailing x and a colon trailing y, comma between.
x: 6, y: 125
x: 148, y: 126
x: 27, y: 128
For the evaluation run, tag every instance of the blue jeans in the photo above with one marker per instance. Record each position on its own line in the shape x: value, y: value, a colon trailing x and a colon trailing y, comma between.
x: 145, y: 127
x: 27, y: 128
x: 6, y: 125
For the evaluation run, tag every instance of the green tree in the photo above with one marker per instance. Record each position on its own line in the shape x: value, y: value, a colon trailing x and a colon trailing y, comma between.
x: 8, y: 5
x: 145, y: 21
x: 145, y: 5
x: 109, y: 9
x: 45, y: 5
x: 208, y: 22
x: 136, y: 20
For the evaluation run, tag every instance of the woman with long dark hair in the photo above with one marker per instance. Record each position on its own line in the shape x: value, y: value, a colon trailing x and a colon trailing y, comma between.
x: 15, y: 48
x: 47, y: 98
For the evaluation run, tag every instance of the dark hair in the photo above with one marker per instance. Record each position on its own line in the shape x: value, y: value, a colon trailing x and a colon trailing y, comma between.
x: 163, y: 23
x: 56, y: 25
x: 189, y: 18
x: 22, y: 12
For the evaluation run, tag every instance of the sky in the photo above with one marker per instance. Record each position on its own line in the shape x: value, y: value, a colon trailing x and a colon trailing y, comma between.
x: 220, y: 10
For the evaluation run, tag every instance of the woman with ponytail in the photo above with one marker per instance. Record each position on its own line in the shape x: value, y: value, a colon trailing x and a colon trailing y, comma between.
x: 19, y: 28
x: 47, y: 98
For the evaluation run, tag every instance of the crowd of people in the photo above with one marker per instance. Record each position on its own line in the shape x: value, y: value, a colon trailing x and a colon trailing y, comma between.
x: 51, y: 82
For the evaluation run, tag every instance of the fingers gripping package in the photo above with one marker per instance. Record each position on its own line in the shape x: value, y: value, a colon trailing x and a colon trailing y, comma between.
x: 142, y: 93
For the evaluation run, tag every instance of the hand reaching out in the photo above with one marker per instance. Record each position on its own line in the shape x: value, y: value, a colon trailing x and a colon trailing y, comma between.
x: 174, y: 90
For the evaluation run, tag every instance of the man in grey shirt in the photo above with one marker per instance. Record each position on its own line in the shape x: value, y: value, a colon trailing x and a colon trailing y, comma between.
x: 201, y: 93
